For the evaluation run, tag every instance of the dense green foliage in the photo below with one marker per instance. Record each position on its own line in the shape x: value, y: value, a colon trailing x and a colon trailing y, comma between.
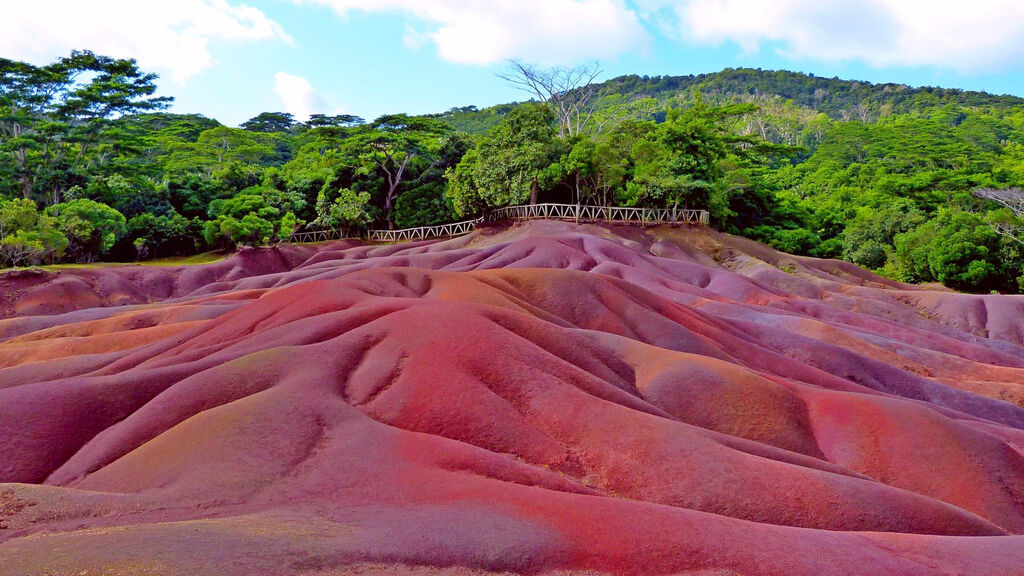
x: 880, y: 175
x: 836, y: 99
x: 90, y: 227
x: 509, y: 163
x: 26, y: 235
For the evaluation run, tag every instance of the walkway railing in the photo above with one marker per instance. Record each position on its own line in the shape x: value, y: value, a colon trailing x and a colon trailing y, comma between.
x: 599, y: 213
x: 422, y: 232
x: 320, y: 235
x: 574, y: 212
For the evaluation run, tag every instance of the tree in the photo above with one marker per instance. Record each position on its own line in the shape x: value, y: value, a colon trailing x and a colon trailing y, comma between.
x: 424, y: 201
x: 289, y: 224
x: 510, y: 163
x: 868, y: 237
x: 250, y: 229
x: 389, y: 145
x: 168, y: 235
x: 256, y: 216
x: 337, y: 121
x: 596, y: 169
x: 17, y: 214
x: 190, y: 193
x: 217, y: 148
x: 956, y: 248
x: 26, y: 236
x: 32, y: 246
x: 1013, y: 200
x: 52, y: 117
x: 795, y: 241
x: 91, y: 228
x: 316, y: 169
x: 569, y: 91
x: 129, y: 196
x: 681, y: 162
x: 462, y: 188
x: 348, y: 208
x: 270, y: 122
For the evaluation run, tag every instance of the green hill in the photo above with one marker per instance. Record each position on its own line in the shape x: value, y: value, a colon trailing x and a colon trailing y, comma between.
x: 797, y: 93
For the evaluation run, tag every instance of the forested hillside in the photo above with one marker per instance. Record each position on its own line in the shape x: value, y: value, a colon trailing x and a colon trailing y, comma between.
x: 838, y: 99
x: 91, y: 167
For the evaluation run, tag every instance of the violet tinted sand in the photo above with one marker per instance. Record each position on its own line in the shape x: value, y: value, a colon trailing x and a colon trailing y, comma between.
x: 546, y: 399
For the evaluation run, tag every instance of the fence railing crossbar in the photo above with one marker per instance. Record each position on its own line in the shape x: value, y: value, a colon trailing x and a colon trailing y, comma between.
x: 576, y: 212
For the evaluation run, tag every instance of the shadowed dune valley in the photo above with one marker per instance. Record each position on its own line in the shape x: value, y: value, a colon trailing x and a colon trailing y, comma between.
x: 538, y: 398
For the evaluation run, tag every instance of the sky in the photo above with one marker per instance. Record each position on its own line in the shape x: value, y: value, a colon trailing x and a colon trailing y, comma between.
x: 232, y: 59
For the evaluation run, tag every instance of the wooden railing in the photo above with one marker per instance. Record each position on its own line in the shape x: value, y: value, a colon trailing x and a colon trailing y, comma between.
x: 423, y: 232
x: 320, y: 235
x: 583, y: 213
x: 574, y: 212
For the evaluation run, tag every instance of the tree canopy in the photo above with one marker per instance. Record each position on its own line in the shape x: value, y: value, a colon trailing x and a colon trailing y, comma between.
x: 920, y: 184
x: 53, y: 117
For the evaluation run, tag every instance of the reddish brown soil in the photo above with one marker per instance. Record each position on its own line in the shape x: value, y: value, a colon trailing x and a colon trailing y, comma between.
x: 546, y: 399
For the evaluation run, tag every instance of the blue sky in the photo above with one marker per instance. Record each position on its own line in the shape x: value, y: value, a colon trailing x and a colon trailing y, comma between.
x: 230, y: 60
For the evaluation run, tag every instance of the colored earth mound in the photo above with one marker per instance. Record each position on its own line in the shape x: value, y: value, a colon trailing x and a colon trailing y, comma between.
x: 549, y: 398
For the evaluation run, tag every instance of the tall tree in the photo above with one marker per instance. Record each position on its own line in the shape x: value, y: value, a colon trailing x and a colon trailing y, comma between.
x: 221, y: 146
x: 337, y: 121
x: 92, y: 228
x: 510, y: 163
x: 595, y: 169
x: 390, y: 144
x: 26, y: 235
x: 270, y: 122
x: 680, y: 163
x: 1013, y: 200
x: 52, y: 117
x: 570, y: 91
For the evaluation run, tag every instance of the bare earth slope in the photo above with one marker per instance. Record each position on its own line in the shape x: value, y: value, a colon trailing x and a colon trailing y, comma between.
x: 550, y: 398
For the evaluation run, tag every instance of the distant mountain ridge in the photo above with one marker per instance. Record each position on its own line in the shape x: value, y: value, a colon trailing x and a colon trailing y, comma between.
x: 839, y: 99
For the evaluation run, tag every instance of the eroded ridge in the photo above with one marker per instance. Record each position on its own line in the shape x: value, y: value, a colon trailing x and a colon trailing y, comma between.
x: 546, y: 398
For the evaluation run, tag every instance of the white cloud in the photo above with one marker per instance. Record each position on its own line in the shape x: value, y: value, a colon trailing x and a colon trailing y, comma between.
x: 981, y: 36
x: 297, y: 95
x: 169, y: 36
x: 539, y: 31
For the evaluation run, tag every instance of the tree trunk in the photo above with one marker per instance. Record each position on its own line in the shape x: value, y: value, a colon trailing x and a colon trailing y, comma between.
x: 394, y: 181
x: 388, y: 203
x: 534, y: 192
x: 20, y: 157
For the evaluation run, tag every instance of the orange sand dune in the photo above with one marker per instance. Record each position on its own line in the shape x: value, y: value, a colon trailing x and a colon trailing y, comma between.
x: 543, y: 399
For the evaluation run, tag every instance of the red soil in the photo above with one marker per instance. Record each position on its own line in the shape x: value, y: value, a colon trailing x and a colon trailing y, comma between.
x: 550, y: 398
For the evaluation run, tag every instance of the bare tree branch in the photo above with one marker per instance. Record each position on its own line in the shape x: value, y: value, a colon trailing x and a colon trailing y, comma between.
x: 569, y: 91
x: 1012, y: 199
x: 1011, y: 231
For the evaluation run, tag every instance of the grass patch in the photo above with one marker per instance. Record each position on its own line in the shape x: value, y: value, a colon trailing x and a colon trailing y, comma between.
x: 204, y: 258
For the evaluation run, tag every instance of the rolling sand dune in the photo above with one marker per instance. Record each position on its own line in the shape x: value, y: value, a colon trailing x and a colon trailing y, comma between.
x: 549, y: 398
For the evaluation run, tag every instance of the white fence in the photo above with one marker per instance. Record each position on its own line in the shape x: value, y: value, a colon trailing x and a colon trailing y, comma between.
x: 579, y: 212
x: 573, y: 212
x: 422, y: 232
x: 320, y: 235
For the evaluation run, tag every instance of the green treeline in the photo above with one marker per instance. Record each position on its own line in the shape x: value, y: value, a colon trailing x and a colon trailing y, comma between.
x: 880, y: 175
